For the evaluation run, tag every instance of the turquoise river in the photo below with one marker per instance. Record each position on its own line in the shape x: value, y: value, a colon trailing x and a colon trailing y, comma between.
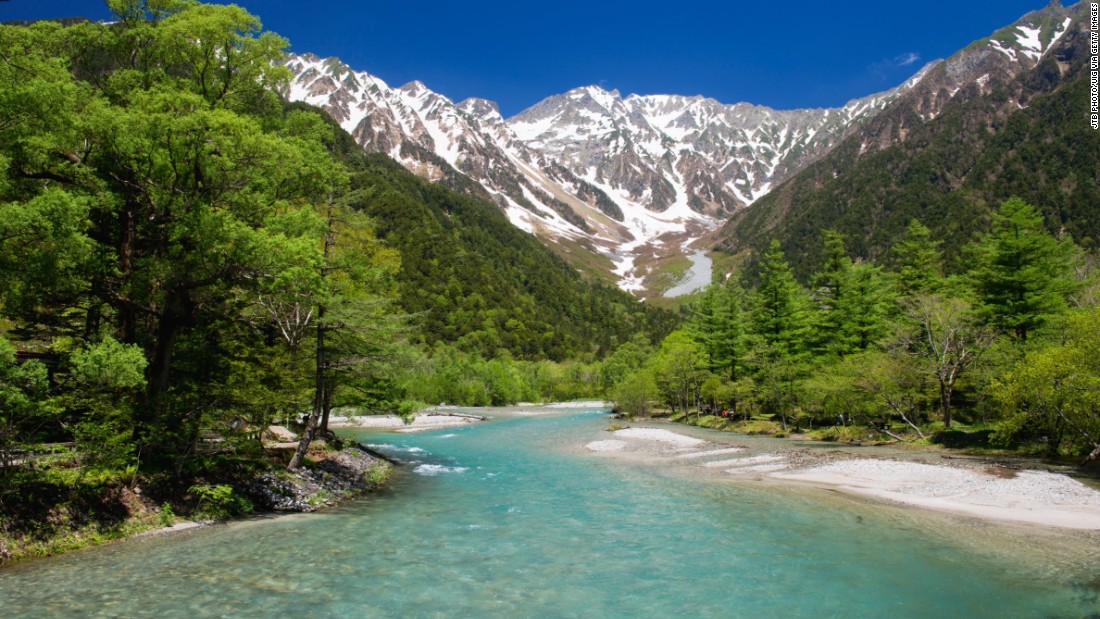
x: 514, y: 518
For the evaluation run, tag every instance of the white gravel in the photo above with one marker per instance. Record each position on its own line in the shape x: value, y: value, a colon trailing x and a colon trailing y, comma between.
x: 659, y: 435
x: 608, y: 445
x: 759, y: 468
x: 1030, y: 496
x: 762, y: 459
x: 712, y: 452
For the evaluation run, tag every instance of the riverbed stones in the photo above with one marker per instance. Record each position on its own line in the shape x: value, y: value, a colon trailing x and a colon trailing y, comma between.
x: 308, y: 489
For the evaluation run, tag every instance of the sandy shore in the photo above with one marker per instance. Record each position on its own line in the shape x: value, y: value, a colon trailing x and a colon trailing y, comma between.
x: 1029, y: 496
x: 423, y: 421
x: 971, y: 488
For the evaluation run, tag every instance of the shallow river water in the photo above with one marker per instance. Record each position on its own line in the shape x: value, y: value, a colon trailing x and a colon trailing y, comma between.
x: 511, y: 519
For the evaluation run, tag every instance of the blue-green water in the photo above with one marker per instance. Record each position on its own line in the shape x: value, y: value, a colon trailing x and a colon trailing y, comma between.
x: 500, y: 520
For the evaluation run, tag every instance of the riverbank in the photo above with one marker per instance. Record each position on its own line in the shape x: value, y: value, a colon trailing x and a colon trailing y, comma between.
x: 54, y: 515
x: 973, y: 487
x: 431, y: 419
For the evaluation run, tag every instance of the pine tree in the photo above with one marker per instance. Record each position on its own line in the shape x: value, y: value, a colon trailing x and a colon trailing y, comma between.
x: 781, y: 309
x: 719, y: 322
x: 919, y: 260
x: 1023, y: 275
x: 832, y: 294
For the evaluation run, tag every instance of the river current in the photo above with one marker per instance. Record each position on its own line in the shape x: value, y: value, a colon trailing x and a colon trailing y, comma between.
x: 513, y: 518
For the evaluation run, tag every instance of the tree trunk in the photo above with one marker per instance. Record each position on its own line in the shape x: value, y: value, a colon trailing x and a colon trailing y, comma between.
x: 176, y: 314
x: 326, y: 408
x: 945, y: 403
x: 318, y: 395
x: 127, y: 321
x: 1092, y: 456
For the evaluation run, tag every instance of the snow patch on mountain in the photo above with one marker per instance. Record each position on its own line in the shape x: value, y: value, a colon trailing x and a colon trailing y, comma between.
x: 640, y: 175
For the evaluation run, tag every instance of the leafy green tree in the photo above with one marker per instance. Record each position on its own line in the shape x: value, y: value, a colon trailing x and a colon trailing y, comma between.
x: 946, y: 338
x: 1023, y: 275
x: 874, y: 303
x: 896, y: 383
x: 25, y: 403
x: 680, y: 367
x: 1054, y: 393
x: 105, y: 379
x: 781, y: 322
x: 854, y: 302
x: 358, y: 335
x: 624, y: 361
x: 719, y: 321
x: 635, y: 393
x: 717, y: 392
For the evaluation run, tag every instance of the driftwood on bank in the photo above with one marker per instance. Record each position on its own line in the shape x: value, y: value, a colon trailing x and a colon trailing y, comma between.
x: 463, y: 415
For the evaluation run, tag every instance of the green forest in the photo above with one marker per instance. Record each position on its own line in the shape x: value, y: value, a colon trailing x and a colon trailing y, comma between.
x: 998, y: 355
x: 1029, y: 137
x: 188, y: 258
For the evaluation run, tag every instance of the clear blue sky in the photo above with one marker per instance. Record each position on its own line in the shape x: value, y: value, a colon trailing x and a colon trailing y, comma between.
x: 781, y: 54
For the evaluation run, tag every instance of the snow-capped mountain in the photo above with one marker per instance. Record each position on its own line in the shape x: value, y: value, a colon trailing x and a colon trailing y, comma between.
x: 644, y: 175
x: 639, y: 177
x: 959, y: 141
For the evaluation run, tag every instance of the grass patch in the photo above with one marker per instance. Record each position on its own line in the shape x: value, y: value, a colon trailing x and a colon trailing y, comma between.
x: 378, y: 474
x: 591, y: 264
x: 757, y: 426
x: 664, y: 273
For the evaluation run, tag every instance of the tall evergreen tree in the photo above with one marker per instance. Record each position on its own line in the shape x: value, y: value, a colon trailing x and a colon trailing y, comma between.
x: 918, y: 260
x: 780, y: 306
x: 833, y: 295
x: 719, y: 321
x: 1023, y: 275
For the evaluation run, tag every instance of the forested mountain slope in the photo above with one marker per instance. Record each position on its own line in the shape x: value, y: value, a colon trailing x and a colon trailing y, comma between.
x: 1001, y: 135
x: 474, y: 279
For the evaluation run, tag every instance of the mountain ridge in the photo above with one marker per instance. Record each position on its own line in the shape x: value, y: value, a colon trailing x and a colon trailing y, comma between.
x: 640, y: 178
x: 949, y: 151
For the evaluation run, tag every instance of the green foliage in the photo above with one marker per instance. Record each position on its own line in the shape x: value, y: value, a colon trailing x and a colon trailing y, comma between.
x: 109, y: 365
x: 466, y: 379
x: 1026, y: 139
x: 219, y: 501
x: 1023, y: 275
x: 167, y: 515
x: 854, y: 302
x: 1056, y: 394
x: 625, y: 360
x: 635, y: 394
x: 780, y: 306
x: 679, y: 368
x: 918, y: 260
x: 719, y: 320
x: 378, y: 474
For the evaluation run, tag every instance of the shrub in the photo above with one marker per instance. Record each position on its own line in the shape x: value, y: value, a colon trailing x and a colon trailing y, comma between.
x: 219, y: 501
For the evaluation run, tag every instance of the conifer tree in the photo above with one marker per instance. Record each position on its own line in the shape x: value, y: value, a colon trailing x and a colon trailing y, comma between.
x: 780, y: 307
x: 720, y: 323
x: 832, y: 294
x: 1023, y: 275
x: 919, y: 260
